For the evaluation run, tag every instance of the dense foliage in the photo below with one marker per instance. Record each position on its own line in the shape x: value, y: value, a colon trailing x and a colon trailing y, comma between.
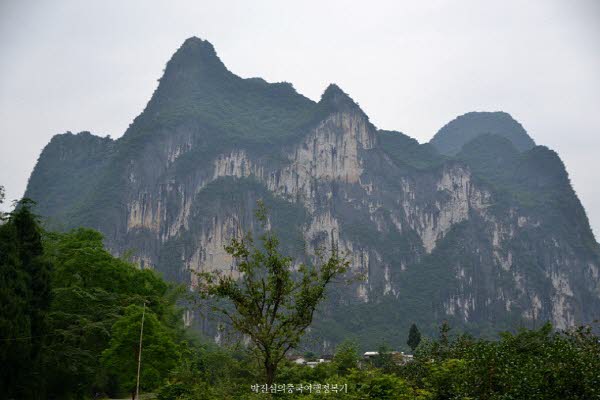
x: 67, y: 171
x: 25, y: 295
x: 160, y: 353
x: 68, y: 309
x: 529, y: 364
x: 405, y: 150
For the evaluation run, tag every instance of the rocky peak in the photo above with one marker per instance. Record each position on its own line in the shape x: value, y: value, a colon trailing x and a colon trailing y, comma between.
x: 336, y: 99
x: 195, y: 56
x: 197, y: 89
x: 195, y: 41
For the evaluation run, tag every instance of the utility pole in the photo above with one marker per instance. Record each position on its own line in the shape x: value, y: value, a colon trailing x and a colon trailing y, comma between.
x: 137, y: 387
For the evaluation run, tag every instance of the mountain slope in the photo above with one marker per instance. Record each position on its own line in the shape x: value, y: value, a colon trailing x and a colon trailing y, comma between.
x: 450, y: 139
x: 489, y: 234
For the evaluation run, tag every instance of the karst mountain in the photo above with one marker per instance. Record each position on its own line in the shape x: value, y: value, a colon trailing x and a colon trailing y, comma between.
x: 479, y: 227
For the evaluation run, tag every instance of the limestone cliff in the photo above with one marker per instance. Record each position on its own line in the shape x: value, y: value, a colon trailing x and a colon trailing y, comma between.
x: 488, y: 236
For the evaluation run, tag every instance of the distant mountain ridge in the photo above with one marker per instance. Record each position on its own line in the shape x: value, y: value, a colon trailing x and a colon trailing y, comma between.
x: 479, y: 227
x: 458, y: 132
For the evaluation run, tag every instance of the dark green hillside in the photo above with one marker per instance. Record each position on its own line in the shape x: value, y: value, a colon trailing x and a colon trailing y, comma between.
x: 197, y: 86
x: 491, y: 157
x: 67, y: 172
x: 405, y: 150
x: 535, y: 179
x: 463, y: 129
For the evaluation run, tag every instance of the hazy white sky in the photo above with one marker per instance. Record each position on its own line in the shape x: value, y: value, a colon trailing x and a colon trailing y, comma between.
x: 411, y: 65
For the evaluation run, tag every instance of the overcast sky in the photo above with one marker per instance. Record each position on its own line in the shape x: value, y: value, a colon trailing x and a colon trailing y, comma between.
x: 412, y: 66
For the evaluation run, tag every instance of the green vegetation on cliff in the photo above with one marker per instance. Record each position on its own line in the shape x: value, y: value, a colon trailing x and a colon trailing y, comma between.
x: 450, y: 139
x: 477, y: 226
x: 406, y: 150
x: 197, y: 86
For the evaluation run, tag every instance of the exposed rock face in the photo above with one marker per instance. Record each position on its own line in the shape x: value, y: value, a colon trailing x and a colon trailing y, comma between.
x: 436, y: 237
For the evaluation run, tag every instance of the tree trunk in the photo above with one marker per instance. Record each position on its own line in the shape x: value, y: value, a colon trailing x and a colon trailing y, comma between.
x: 270, y: 369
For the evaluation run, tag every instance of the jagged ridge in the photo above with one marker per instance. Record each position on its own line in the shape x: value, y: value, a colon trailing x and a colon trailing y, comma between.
x: 493, y: 237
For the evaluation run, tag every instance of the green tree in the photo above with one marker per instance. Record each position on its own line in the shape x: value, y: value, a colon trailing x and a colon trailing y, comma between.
x: 346, y: 357
x: 159, y: 352
x: 370, y: 383
x: 442, y: 349
x: 91, y: 291
x: 273, y: 304
x: 384, y: 359
x: 447, y: 379
x: 530, y: 364
x: 414, y: 337
x: 15, y: 322
x: 24, y: 301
